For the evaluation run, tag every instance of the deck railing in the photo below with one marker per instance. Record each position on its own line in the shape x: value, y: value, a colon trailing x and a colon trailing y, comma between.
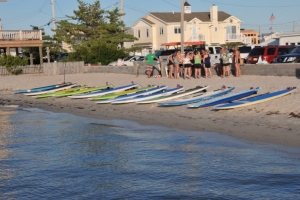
x: 20, y: 35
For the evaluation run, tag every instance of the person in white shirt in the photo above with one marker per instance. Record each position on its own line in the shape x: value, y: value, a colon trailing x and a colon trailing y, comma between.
x: 120, y: 62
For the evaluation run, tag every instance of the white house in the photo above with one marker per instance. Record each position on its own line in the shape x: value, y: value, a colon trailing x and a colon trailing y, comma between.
x: 156, y: 30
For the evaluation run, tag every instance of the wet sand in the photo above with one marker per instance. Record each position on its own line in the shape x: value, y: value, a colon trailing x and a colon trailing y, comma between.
x: 275, y: 121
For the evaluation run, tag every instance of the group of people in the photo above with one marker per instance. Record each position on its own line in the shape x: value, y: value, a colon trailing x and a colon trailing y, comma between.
x: 224, y: 68
x: 184, y: 65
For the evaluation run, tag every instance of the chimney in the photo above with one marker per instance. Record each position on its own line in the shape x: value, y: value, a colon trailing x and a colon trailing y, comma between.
x: 214, y: 14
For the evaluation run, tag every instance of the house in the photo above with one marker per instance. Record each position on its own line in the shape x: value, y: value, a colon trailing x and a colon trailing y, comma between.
x: 157, y: 30
x: 13, y: 40
x: 252, y: 35
x: 292, y: 38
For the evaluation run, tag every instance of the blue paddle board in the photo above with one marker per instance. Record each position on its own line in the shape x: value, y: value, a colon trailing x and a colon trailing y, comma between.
x: 257, y: 99
x: 197, y: 98
x: 224, y: 99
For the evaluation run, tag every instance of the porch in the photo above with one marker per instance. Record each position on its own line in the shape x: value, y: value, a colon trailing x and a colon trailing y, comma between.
x: 15, y: 39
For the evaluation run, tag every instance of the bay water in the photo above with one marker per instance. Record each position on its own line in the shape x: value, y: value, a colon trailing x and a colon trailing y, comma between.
x: 45, y: 155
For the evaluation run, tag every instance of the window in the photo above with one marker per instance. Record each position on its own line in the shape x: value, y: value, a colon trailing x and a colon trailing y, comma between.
x: 231, y: 31
x: 139, y: 33
x: 293, y: 44
x: 216, y: 28
x: 177, y: 30
x: 298, y: 43
x: 218, y: 50
x: 147, y: 32
x: 245, y: 49
x: 282, y: 51
x: 271, y: 51
x: 211, y: 50
x: 161, y: 30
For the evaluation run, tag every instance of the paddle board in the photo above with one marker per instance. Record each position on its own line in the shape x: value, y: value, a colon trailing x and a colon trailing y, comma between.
x: 48, y: 91
x: 49, y: 87
x: 197, y: 98
x: 224, y: 99
x: 60, y: 92
x: 115, y: 95
x: 149, y: 96
x: 82, y: 91
x: 174, y: 96
x: 257, y: 99
x: 131, y: 96
x: 103, y: 92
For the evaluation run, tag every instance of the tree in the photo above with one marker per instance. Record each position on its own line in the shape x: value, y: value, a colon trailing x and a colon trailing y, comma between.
x: 93, y: 33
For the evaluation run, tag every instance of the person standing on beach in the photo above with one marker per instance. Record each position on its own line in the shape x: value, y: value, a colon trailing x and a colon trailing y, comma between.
x: 225, y: 56
x: 177, y: 62
x: 237, y: 62
x: 219, y: 67
x: 170, y: 65
x: 207, y: 64
x: 187, y: 65
x: 197, y: 64
x: 150, y: 62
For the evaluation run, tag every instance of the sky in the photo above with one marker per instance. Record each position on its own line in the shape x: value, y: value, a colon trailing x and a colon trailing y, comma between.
x: 255, y: 14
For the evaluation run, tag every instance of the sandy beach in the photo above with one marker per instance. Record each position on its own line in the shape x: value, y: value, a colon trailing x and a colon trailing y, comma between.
x: 275, y: 121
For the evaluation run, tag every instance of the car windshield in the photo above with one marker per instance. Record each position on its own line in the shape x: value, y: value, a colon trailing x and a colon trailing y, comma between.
x: 296, y: 50
x: 244, y: 49
x: 128, y: 58
x: 158, y: 53
x: 257, y: 52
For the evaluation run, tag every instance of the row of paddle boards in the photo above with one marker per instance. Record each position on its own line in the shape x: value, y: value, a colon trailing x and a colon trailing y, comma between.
x: 194, y: 98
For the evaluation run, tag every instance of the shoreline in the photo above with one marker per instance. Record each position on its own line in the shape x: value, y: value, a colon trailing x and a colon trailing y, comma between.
x: 269, y: 122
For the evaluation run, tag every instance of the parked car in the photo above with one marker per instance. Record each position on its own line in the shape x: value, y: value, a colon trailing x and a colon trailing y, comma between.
x: 244, y: 51
x: 292, y: 57
x: 128, y: 61
x: 267, y: 53
x: 61, y: 57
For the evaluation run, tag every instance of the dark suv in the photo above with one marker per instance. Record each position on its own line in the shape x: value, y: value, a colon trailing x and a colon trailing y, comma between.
x: 293, y: 57
x: 267, y: 53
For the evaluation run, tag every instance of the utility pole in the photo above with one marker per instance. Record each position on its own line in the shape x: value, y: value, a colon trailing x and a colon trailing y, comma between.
x: 53, y: 15
x: 182, y: 27
x: 121, y: 10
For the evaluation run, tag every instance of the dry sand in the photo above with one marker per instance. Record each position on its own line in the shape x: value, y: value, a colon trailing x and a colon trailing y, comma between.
x: 276, y: 121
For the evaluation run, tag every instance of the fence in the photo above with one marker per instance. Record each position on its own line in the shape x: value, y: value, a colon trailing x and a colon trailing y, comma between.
x: 48, y: 69
x: 59, y: 68
x: 29, y: 69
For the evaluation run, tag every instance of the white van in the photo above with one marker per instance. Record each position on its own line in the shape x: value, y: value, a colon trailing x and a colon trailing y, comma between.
x: 214, y: 53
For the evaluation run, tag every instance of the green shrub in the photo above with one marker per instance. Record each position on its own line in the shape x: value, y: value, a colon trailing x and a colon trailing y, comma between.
x: 11, y: 62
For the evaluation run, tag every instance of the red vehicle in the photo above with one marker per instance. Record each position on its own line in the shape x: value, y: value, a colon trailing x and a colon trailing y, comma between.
x: 267, y: 53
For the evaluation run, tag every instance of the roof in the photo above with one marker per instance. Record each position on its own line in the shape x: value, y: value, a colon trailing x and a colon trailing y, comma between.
x: 186, y: 4
x: 176, y: 17
x: 147, y: 20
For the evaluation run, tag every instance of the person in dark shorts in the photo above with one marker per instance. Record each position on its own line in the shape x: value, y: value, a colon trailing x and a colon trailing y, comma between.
x: 187, y: 65
x: 225, y: 56
x: 170, y: 65
x: 197, y: 64
x: 207, y: 64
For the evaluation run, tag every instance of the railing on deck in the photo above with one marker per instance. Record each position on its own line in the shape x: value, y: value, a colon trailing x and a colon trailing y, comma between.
x: 21, y: 35
x: 239, y: 38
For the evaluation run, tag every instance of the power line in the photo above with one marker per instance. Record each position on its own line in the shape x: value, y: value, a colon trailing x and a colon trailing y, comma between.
x: 241, y: 5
